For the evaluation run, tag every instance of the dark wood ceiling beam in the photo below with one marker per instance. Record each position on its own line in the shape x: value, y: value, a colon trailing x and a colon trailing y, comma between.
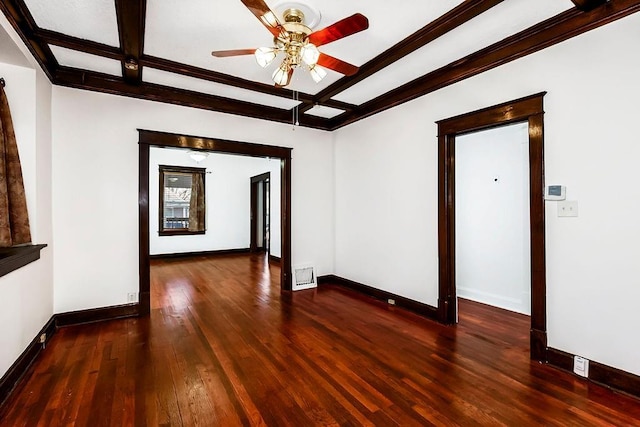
x: 75, y: 43
x: 131, y: 23
x: 20, y: 18
x: 540, y: 36
x: 451, y: 20
x: 587, y: 5
x: 98, y: 82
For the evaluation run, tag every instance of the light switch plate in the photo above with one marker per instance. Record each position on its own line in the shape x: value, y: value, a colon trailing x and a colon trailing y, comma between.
x: 568, y: 208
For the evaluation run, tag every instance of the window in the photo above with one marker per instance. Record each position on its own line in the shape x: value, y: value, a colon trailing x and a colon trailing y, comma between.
x: 182, y: 201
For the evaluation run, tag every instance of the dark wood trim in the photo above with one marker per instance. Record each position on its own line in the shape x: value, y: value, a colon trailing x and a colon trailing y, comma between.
x: 98, y: 82
x: 18, y: 370
x: 144, y: 274
x: 256, y: 182
x: 528, y: 109
x: 451, y: 20
x: 540, y: 36
x: 218, y: 252
x: 177, y: 169
x: 599, y: 373
x: 587, y: 5
x: 147, y: 138
x: 261, y: 177
x: 16, y: 257
x: 274, y: 259
x: 131, y: 16
x: 100, y: 314
x: 63, y: 40
x: 414, y: 306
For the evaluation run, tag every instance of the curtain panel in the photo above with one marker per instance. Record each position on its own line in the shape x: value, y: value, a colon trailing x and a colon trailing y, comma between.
x: 14, y: 218
x: 196, y: 203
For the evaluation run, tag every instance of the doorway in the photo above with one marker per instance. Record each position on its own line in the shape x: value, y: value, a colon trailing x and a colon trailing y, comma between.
x: 147, y: 139
x: 260, y: 212
x: 492, y: 218
x: 529, y: 110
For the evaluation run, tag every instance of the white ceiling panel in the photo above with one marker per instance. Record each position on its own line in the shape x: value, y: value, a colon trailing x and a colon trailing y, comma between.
x: 81, y: 60
x: 322, y: 111
x: 164, y: 78
x: 189, y: 34
x: 93, y: 20
x: 503, y: 20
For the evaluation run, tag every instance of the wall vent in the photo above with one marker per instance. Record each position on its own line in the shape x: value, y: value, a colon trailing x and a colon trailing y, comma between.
x: 304, y: 277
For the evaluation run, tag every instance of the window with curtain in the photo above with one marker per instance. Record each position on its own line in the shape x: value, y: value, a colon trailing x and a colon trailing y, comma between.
x: 182, y: 201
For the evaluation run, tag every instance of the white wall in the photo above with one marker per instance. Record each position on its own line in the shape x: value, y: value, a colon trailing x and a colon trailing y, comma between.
x: 493, y: 255
x: 386, y: 188
x: 26, y: 295
x: 95, y: 179
x: 228, y: 195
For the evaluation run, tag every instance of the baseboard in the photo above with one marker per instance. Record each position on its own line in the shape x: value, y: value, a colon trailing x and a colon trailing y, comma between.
x: 274, y: 259
x: 20, y: 367
x: 97, y: 315
x: 599, y: 373
x: 422, y: 309
x: 201, y: 253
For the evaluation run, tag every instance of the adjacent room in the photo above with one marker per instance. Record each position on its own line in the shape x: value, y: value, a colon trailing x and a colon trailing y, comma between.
x: 267, y: 212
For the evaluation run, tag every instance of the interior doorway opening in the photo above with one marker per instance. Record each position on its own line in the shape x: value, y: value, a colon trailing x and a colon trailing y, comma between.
x: 493, y: 256
x: 260, y: 219
x: 530, y: 110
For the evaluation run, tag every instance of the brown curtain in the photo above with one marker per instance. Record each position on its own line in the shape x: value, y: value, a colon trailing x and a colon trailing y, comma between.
x: 196, y: 203
x: 14, y: 218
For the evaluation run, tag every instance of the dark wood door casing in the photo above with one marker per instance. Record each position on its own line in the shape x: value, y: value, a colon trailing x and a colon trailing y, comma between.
x: 147, y: 138
x: 529, y: 109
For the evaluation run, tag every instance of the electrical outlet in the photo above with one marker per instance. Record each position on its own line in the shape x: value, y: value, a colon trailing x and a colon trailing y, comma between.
x: 391, y: 301
x: 568, y: 208
x: 132, y: 297
x: 581, y: 366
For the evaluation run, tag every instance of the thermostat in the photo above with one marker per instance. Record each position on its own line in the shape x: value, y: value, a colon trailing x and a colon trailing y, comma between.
x: 555, y: 192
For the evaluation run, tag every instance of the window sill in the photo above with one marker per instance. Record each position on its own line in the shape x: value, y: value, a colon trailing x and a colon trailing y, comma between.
x: 180, y: 232
x: 16, y: 257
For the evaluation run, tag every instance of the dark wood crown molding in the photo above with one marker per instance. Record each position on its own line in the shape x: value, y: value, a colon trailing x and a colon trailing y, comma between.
x: 457, y: 16
x: 587, y: 5
x: 540, y: 36
x: 587, y: 15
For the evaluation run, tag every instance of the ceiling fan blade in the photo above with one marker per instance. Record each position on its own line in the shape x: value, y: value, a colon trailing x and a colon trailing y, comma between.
x: 336, y: 64
x: 269, y: 19
x: 234, y: 52
x: 346, y: 27
x: 289, y: 74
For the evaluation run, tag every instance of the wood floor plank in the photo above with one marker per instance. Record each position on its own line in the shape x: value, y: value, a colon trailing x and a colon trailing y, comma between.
x: 223, y: 346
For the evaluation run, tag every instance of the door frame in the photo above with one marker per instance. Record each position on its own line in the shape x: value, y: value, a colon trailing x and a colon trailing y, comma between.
x: 529, y: 109
x: 256, y: 182
x: 149, y: 138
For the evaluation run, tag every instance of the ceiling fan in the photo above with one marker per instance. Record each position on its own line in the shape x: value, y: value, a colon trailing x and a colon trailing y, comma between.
x: 298, y: 43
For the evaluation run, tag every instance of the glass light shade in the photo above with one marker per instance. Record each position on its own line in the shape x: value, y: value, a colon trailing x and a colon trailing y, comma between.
x: 317, y: 73
x: 198, y: 156
x: 265, y: 55
x: 270, y: 19
x: 281, y: 75
x: 310, y: 54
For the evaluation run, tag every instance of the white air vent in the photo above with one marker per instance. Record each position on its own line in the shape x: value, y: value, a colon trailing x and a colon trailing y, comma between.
x: 304, y: 277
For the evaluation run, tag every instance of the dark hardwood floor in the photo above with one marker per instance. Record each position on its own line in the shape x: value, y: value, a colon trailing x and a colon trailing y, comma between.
x: 224, y: 347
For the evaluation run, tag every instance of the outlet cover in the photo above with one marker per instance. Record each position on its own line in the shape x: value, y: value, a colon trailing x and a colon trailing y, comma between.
x: 132, y: 297
x: 581, y: 366
x: 568, y: 208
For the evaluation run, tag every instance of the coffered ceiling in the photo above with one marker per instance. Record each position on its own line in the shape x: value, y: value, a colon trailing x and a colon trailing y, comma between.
x: 410, y: 48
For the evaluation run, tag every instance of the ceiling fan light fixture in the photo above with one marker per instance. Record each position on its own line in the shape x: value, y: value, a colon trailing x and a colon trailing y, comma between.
x: 281, y: 75
x: 198, y: 156
x: 310, y: 54
x: 265, y: 55
x: 317, y: 73
x: 270, y: 19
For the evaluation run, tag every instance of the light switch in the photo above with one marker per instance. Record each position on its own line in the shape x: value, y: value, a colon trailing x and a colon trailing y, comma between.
x: 568, y: 208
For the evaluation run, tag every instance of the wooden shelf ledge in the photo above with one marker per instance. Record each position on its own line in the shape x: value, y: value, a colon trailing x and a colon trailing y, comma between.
x: 16, y: 257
